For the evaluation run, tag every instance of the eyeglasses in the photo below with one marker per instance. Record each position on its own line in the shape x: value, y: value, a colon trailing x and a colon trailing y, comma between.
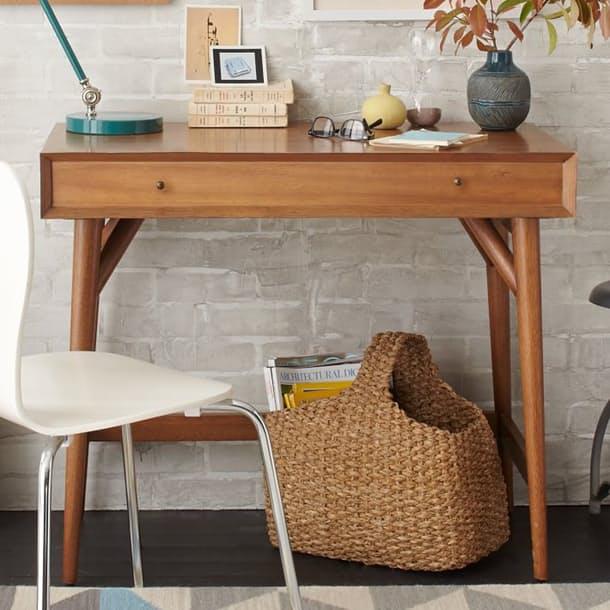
x: 352, y: 129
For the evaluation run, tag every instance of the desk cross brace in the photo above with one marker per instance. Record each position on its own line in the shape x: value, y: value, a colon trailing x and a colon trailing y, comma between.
x: 491, y: 239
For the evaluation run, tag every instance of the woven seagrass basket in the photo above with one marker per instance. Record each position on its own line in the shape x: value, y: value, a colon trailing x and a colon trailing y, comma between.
x: 404, y: 474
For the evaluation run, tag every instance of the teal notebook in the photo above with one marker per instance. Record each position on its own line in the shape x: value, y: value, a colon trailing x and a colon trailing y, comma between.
x: 428, y: 139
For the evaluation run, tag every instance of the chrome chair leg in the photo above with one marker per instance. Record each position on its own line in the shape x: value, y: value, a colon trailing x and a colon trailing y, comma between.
x: 131, y: 491
x: 243, y: 408
x: 45, y: 488
x: 598, y: 490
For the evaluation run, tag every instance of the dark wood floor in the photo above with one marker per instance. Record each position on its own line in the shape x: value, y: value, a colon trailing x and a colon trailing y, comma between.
x: 230, y: 548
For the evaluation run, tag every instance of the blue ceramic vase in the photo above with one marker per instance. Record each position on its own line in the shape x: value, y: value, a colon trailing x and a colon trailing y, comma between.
x: 499, y: 93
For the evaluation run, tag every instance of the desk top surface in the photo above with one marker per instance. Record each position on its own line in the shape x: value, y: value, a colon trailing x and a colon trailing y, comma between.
x: 177, y: 140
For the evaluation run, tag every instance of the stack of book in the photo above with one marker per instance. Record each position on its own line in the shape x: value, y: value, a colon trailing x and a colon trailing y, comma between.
x: 234, y: 106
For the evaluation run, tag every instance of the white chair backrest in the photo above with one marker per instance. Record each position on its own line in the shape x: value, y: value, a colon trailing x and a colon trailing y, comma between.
x: 16, y: 253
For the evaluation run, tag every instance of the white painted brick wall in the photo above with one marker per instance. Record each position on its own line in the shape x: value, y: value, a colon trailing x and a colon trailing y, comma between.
x: 220, y: 296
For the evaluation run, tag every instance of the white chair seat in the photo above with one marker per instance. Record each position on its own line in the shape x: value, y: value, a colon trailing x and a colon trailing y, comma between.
x: 73, y: 392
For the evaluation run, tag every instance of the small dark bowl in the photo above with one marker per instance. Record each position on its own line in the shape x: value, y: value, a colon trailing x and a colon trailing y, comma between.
x: 424, y: 117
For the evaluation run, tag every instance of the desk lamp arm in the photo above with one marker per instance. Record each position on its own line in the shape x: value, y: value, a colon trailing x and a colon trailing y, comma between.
x: 91, y: 95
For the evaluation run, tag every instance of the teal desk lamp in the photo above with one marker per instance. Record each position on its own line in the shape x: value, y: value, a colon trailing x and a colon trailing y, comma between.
x: 90, y: 122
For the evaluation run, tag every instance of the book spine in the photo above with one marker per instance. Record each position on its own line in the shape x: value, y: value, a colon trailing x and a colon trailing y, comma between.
x: 243, y: 96
x: 270, y: 384
x: 237, y: 121
x: 238, y: 109
x: 317, y: 374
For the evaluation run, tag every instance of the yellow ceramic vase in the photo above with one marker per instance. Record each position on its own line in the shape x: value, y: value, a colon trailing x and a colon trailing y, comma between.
x: 386, y: 107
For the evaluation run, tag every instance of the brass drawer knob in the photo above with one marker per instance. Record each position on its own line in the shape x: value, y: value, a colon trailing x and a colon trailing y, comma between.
x: 160, y: 185
x: 457, y: 181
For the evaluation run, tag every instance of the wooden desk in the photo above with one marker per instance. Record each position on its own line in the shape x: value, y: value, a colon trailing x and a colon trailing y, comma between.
x: 497, y: 188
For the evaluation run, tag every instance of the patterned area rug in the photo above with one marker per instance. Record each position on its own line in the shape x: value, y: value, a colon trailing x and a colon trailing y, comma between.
x: 480, y: 597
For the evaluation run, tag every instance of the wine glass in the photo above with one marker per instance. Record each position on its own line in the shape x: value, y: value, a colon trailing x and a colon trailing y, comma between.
x: 423, y: 45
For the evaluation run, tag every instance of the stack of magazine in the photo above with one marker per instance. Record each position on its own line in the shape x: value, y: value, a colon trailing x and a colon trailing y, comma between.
x: 293, y: 381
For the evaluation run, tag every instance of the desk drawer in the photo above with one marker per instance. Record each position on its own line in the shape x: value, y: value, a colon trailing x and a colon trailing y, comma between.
x: 307, y: 189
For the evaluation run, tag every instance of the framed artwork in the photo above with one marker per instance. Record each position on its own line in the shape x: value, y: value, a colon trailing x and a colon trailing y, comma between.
x: 364, y: 10
x: 206, y: 27
x: 238, y: 65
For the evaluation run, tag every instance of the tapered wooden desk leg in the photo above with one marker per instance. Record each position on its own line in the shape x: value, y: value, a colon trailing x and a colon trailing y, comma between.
x: 499, y: 332
x: 526, y: 245
x: 83, y: 334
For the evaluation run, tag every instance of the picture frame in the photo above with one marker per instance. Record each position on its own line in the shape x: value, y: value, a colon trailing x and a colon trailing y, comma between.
x: 206, y: 26
x: 366, y: 10
x: 238, y: 65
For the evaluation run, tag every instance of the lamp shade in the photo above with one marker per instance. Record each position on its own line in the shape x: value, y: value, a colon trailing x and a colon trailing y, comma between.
x: 600, y: 295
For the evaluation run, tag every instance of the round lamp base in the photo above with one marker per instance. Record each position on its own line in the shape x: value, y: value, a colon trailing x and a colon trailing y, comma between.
x: 114, y: 123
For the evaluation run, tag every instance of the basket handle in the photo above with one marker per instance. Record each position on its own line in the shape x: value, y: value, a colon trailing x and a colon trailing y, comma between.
x: 378, y: 364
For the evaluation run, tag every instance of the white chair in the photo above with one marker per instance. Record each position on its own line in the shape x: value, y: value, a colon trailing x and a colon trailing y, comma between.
x: 69, y: 393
